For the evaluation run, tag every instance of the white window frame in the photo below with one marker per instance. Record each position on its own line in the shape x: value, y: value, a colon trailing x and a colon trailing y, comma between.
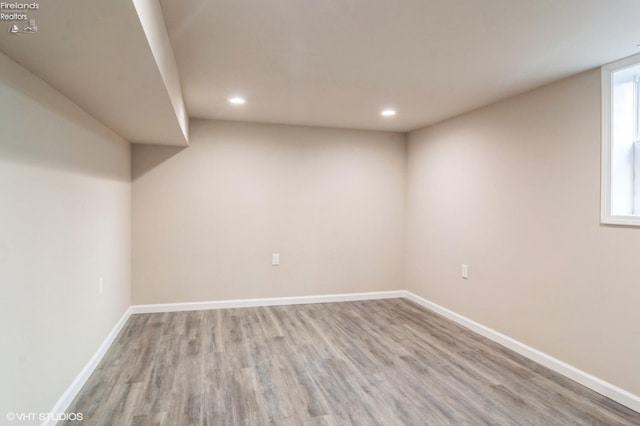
x: 606, y: 217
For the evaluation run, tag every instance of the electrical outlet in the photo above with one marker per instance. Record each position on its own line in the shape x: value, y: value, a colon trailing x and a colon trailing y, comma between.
x: 275, y: 259
x: 465, y: 271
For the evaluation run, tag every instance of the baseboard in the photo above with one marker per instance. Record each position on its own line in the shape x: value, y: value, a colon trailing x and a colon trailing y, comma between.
x: 82, y: 377
x: 604, y: 388
x: 72, y: 391
x: 272, y: 301
x: 598, y: 385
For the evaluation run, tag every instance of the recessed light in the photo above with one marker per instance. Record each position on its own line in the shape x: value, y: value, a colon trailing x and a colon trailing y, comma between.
x: 388, y: 112
x: 237, y: 100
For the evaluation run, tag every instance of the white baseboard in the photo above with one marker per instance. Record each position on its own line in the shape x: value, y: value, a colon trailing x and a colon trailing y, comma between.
x: 82, y: 377
x: 607, y: 389
x: 273, y: 301
x: 598, y: 385
x: 77, y: 384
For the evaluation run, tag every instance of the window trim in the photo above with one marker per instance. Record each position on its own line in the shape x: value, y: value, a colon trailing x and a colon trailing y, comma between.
x: 606, y: 73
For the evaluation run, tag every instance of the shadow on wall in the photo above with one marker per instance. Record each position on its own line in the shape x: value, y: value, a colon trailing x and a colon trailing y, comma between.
x: 44, y: 129
x: 154, y: 155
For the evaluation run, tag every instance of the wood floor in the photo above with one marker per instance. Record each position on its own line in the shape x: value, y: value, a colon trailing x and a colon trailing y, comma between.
x: 386, y: 362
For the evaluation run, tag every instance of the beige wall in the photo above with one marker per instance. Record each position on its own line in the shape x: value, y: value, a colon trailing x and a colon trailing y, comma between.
x: 207, y: 218
x: 64, y: 223
x: 513, y: 190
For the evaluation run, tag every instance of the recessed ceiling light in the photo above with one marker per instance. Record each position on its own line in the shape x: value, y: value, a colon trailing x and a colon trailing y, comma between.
x: 237, y: 100
x: 388, y: 112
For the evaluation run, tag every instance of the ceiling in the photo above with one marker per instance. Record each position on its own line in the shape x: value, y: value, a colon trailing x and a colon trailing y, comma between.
x: 99, y: 55
x: 334, y: 63
x: 338, y: 63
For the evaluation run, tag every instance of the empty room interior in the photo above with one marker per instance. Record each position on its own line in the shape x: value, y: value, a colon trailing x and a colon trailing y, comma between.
x: 291, y: 212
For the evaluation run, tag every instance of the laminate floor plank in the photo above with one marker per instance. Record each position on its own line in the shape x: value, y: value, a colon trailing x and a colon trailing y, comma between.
x: 379, y: 362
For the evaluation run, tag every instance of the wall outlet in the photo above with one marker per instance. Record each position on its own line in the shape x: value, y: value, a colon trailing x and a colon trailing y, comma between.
x: 465, y: 271
x: 275, y: 259
x: 101, y: 286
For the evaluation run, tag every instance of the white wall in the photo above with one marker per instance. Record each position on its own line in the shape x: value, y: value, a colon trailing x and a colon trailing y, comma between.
x: 513, y: 190
x: 64, y: 222
x: 207, y: 218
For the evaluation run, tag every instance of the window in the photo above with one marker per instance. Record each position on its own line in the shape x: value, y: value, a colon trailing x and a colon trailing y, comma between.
x: 621, y: 142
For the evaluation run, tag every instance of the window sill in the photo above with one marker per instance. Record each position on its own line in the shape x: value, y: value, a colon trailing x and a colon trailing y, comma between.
x: 621, y: 220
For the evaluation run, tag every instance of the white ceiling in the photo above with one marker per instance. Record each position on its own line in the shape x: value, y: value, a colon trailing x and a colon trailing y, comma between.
x: 333, y: 63
x: 339, y: 62
x: 97, y: 54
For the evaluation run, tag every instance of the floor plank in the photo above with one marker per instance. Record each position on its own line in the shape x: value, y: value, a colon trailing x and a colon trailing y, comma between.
x: 380, y: 362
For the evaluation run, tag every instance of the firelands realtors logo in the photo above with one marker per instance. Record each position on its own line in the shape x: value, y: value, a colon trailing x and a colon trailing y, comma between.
x: 19, y: 17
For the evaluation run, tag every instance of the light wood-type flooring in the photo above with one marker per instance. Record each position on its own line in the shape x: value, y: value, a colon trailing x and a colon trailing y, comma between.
x: 380, y: 362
